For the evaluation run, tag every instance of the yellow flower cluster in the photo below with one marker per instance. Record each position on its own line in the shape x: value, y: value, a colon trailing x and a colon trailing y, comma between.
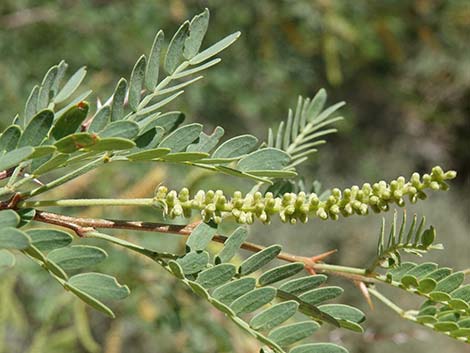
x: 291, y: 207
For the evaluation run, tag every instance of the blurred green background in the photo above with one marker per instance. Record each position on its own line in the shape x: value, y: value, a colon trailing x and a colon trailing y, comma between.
x: 403, y: 67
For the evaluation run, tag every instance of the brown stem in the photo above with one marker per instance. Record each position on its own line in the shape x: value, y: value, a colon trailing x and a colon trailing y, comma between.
x: 83, y: 225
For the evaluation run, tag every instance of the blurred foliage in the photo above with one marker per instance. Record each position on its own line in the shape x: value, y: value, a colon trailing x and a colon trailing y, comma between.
x: 403, y: 67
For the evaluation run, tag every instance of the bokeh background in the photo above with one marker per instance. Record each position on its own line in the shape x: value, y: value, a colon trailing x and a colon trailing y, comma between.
x: 403, y: 67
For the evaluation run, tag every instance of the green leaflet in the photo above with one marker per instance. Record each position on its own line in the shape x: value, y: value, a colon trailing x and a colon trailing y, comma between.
x: 111, y: 144
x: 319, y: 295
x: 440, y: 273
x: 214, y: 49
x: 71, y: 86
x: 462, y: 293
x: 450, y: 283
x: 274, y: 315
x: 193, y: 262
x: 100, y: 119
x: 37, y: 129
x: 31, y: 106
x: 53, y: 163
x: 123, y: 128
x: 200, y: 237
x: 343, y: 312
x: 236, y: 147
x: 150, y: 139
x: 12, y: 238
x: 117, y: 106
x: 426, y: 285
x: 45, y: 90
x: 77, y: 256
x: 9, y: 218
x: 175, y: 50
x: 26, y: 216
x: 7, y: 259
x: 168, y: 121
x: 318, y: 348
x: 61, y: 69
x: 69, y: 122
x: 179, y: 139
x: 90, y: 300
x: 300, y: 285
x: 99, y: 286
x: 14, y: 157
x: 197, y: 31
x: 154, y: 107
x: 184, y: 156
x: 55, y: 269
x: 258, y: 260
x: 227, y: 293
x: 153, y: 63
x: 176, y: 269
x: 279, y: 273
x: 289, y: 334
x: 253, y: 300
x: 199, y: 289
x: 207, y: 143
x: 136, y: 82
x: 10, y: 138
x: 49, y: 239
x: 216, y: 276
x: 232, y: 245
x: 42, y: 151
x: 264, y: 159
x: 72, y: 143
x: 148, y: 155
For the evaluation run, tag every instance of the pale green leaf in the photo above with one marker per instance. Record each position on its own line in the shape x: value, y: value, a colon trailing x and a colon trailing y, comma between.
x: 122, y: 128
x: 77, y: 256
x: 174, y: 54
x: 100, y: 119
x: 264, y: 159
x: 14, y: 157
x: 279, y: 273
x: 45, y: 89
x: 289, y: 334
x: 274, y: 315
x: 119, y: 96
x: 9, y: 218
x: 179, y: 139
x: 320, y: 295
x: 193, y: 262
x: 318, y: 348
x: 71, y: 86
x: 236, y: 147
x: 99, y: 286
x: 153, y: 64
x: 197, y: 31
x: 136, y: 82
x: 214, y: 49
x: 7, y: 259
x: 10, y: 138
x: 232, y: 245
x: 253, y: 300
x: 148, y: 155
x: 300, y: 285
x: 12, y: 238
x: 69, y: 122
x: 200, y: 237
x: 46, y: 239
x: 227, y: 293
x: 216, y: 276
x: 111, y: 144
x: 37, y: 129
x: 258, y: 260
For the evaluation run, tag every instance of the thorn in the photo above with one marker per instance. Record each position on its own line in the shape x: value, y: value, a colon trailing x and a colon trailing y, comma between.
x: 365, y: 292
x: 323, y: 256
